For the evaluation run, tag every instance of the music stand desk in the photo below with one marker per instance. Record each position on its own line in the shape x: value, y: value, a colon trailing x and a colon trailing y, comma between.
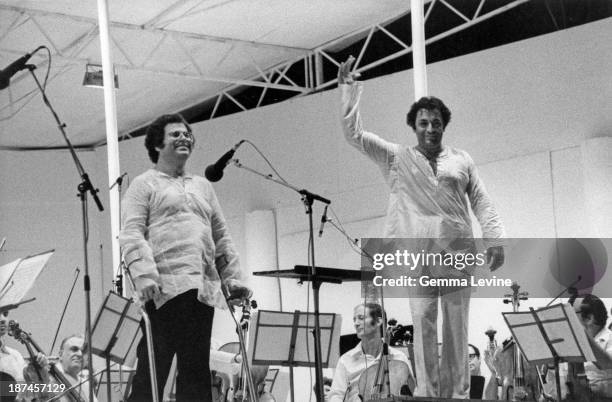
x: 327, y: 275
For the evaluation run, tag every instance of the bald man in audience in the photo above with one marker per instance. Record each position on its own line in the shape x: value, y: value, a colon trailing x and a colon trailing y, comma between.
x: 71, y: 366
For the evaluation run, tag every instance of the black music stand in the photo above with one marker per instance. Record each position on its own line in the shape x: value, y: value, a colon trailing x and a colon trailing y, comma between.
x: 280, y: 338
x: 115, y: 332
x: 550, y: 335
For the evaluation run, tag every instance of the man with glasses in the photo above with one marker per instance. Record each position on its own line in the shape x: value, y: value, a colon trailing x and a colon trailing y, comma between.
x: 70, y: 365
x: 593, y: 315
x: 180, y: 254
x: 474, y: 359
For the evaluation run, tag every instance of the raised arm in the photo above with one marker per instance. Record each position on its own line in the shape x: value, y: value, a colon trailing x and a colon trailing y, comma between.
x: 380, y: 151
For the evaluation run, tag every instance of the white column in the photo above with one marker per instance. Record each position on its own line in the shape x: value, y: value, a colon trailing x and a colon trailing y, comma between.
x: 110, y: 109
x: 419, y: 58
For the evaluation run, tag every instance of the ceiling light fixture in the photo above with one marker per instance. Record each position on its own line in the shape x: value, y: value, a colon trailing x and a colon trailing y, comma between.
x: 94, y: 78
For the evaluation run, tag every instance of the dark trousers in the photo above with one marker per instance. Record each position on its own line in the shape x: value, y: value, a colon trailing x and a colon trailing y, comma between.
x: 182, y: 326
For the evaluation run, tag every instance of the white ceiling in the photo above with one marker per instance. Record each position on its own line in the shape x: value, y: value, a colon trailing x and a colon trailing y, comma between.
x: 168, y: 54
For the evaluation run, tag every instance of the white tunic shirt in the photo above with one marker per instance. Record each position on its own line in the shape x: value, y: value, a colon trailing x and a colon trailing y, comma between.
x: 423, y: 204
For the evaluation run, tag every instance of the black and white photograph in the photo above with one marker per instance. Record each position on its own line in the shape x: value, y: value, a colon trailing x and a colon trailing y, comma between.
x: 305, y: 200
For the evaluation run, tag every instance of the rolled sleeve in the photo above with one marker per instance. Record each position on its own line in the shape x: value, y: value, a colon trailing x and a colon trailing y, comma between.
x: 379, y: 150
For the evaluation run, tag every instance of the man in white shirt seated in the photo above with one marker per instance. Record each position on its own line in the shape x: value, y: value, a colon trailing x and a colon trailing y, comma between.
x: 71, y: 366
x: 12, y: 364
x: 368, y: 320
x: 593, y: 314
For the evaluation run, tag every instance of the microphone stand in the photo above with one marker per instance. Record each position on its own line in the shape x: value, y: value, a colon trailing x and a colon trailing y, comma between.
x: 84, y: 187
x: 308, y: 199
x: 570, y: 289
x: 118, y: 282
x: 384, y: 358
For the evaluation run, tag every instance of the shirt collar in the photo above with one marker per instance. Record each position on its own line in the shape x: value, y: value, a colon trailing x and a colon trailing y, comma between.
x: 185, y: 176
x: 443, y: 152
x: 3, y: 345
x: 359, y: 351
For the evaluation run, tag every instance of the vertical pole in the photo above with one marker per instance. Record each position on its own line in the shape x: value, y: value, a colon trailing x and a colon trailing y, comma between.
x: 419, y: 58
x: 112, y: 142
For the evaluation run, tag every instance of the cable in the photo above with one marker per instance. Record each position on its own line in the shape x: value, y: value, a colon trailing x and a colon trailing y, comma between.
x: 267, y: 161
x: 32, y: 93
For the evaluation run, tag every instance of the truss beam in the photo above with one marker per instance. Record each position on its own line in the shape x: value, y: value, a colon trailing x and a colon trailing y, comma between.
x: 308, y: 61
x: 155, y: 30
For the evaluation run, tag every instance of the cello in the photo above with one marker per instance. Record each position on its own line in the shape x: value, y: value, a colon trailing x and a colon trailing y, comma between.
x: 519, y: 380
x: 372, y: 384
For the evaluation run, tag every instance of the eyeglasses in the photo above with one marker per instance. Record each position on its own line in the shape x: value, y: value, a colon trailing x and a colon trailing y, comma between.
x: 177, y: 134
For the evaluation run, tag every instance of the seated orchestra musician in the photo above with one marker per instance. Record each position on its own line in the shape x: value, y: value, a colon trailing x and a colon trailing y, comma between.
x: 12, y: 363
x: 70, y: 365
x: 367, y: 319
x: 486, y: 387
x: 593, y: 315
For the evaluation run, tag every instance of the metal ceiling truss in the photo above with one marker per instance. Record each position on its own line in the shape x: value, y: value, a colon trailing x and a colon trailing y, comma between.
x: 310, y: 61
x: 163, y: 34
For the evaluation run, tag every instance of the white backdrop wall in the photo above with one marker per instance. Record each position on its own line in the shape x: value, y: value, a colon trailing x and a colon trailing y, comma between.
x: 523, y: 111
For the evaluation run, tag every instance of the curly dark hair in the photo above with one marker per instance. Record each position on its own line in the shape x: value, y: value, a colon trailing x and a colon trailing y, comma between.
x: 592, y: 304
x: 476, y: 350
x: 155, y: 133
x: 428, y: 103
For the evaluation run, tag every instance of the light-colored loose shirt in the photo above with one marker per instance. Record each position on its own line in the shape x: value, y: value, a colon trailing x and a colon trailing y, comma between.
x: 423, y: 204
x: 345, y: 385
x: 11, y: 362
x: 174, y: 232
x: 600, y: 381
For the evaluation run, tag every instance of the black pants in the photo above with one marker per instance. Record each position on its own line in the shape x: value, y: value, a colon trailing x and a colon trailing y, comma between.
x: 182, y: 326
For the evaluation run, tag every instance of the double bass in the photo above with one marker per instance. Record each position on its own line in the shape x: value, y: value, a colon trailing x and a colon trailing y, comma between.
x: 386, y: 378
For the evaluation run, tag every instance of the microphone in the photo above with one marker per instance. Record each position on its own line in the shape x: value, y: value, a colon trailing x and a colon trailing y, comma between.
x: 214, y: 172
x: 323, y: 220
x: 119, y: 182
x: 12, y: 69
